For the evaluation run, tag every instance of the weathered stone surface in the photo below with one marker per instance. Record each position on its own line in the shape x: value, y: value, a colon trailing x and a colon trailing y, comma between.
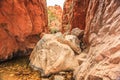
x: 58, y: 77
x: 102, y: 33
x: 67, y: 9
x: 21, y: 22
x: 52, y: 55
x: 77, y: 32
x: 79, y: 13
x: 74, y: 14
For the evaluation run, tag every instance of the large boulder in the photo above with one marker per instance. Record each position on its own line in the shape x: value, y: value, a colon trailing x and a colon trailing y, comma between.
x: 54, y: 53
x: 102, y: 34
x: 21, y: 23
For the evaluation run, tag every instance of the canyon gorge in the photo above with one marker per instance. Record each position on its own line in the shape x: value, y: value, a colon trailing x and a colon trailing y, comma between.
x: 24, y: 22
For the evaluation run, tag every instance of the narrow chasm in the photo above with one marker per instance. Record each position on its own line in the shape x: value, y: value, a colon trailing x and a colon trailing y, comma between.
x: 45, y: 40
x: 21, y: 34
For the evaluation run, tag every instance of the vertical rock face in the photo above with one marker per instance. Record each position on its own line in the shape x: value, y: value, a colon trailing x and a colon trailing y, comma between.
x: 74, y: 14
x: 79, y: 13
x: 21, y: 23
x: 67, y: 9
x: 102, y: 34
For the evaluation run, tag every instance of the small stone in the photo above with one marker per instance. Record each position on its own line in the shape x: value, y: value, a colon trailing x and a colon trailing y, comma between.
x: 58, y: 77
x: 69, y: 76
x: 45, y: 79
x: 99, y: 58
x: 26, y: 72
x: 62, y: 73
x: 11, y: 75
x: 18, y: 73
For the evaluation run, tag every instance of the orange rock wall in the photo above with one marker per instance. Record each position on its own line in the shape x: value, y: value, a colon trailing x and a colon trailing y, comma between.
x: 21, y: 23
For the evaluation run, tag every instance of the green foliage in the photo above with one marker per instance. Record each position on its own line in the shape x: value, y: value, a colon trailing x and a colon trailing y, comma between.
x: 53, y: 30
x: 51, y: 16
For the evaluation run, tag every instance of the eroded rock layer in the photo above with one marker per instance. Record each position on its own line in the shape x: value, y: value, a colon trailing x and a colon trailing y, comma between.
x: 21, y: 23
x: 102, y: 33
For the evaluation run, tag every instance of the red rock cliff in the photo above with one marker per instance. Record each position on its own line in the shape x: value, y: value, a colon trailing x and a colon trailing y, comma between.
x: 74, y: 14
x: 102, y: 34
x: 21, y: 23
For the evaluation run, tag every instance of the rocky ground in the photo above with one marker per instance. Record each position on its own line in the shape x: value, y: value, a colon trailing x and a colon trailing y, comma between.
x: 18, y: 69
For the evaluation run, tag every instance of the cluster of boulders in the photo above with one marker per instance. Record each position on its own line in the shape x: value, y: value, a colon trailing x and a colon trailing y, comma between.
x: 58, y: 52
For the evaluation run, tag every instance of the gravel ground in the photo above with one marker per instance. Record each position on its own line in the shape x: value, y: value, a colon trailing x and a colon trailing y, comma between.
x: 18, y: 69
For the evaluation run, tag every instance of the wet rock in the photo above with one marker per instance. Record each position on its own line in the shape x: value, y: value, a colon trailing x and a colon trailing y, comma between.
x: 52, y: 55
x: 21, y: 23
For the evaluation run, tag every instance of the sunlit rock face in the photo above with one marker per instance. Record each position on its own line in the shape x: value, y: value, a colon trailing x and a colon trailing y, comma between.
x: 102, y: 33
x: 74, y: 14
x: 21, y: 23
x: 54, y: 18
